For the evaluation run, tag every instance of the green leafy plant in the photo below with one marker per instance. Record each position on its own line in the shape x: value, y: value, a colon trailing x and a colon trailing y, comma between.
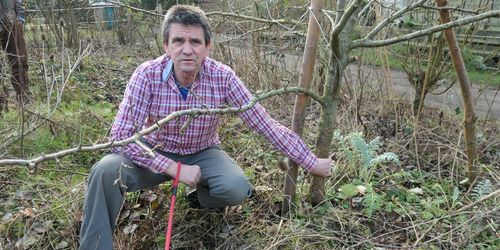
x: 363, y: 156
x: 481, y: 189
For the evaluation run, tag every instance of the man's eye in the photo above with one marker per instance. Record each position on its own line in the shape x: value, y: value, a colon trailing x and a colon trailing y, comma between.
x: 177, y: 41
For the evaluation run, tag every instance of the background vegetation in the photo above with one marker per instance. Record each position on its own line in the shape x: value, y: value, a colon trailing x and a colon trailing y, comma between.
x: 397, y: 184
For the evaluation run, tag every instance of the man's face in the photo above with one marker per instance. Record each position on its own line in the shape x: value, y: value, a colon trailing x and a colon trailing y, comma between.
x: 187, y: 47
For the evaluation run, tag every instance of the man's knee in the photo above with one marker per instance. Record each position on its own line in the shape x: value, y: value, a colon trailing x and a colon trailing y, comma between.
x: 107, y: 168
x: 233, y: 191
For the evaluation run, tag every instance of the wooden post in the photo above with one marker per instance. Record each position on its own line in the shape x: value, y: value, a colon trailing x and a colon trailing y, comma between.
x: 305, y: 79
x: 469, y: 115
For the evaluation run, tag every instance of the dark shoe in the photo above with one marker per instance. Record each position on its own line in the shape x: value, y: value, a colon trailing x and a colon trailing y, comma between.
x: 192, y: 198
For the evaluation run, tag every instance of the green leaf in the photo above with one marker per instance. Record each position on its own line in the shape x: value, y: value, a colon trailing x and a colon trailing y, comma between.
x: 349, y: 190
x: 372, y: 202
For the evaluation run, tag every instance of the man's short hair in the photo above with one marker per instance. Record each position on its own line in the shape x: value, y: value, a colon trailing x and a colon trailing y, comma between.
x: 186, y: 15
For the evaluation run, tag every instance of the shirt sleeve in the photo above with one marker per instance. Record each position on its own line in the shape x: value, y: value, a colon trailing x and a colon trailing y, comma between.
x: 131, y: 116
x: 259, y: 120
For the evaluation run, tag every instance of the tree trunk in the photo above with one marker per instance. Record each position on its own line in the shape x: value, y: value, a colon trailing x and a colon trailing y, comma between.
x: 301, y: 100
x: 340, y: 41
x: 469, y: 115
x: 72, y: 26
x: 326, y: 124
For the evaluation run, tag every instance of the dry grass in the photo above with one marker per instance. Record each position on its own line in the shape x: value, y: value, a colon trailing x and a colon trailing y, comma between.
x: 45, y: 206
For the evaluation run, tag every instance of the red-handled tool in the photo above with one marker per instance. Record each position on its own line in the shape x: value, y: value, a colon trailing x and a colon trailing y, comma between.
x: 172, y: 204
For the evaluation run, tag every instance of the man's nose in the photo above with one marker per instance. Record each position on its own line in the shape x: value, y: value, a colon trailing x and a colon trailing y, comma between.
x: 187, y: 49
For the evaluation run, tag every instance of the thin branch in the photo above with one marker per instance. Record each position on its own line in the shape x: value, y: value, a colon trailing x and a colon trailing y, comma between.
x: 252, y: 18
x: 390, y: 19
x: 366, y: 43
x: 217, y: 13
x: 345, y: 17
x: 135, y: 138
x: 247, y: 33
x: 135, y: 9
x: 452, y: 9
x: 493, y: 194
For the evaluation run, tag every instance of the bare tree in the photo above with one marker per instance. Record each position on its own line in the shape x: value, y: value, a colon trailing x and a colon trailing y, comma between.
x: 341, y: 44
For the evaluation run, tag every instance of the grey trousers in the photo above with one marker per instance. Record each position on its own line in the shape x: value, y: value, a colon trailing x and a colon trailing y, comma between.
x: 222, y: 184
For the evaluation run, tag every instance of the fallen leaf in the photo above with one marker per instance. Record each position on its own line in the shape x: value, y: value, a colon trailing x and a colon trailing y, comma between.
x: 349, y: 190
x: 151, y: 197
x: 40, y: 227
x: 24, y: 195
x: 7, y: 217
x: 263, y: 188
x: 28, y: 212
x: 135, y: 216
x: 129, y: 229
x: 361, y: 189
x: 62, y: 244
x: 27, y: 240
x: 416, y: 191
x: 124, y: 214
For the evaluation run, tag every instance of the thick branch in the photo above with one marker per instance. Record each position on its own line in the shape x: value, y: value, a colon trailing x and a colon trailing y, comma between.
x: 460, y: 22
x: 390, y: 19
x: 135, y: 138
x: 345, y: 17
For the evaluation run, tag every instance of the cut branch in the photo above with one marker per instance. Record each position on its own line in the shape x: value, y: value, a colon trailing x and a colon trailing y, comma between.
x: 367, y: 43
x: 135, y: 138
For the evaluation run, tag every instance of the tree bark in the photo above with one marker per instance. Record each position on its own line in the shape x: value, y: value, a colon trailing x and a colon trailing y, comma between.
x: 340, y: 40
x: 72, y: 26
x: 469, y: 115
x: 301, y: 100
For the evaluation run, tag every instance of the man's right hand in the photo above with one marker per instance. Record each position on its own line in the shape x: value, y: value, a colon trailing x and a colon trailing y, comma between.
x: 190, y: 174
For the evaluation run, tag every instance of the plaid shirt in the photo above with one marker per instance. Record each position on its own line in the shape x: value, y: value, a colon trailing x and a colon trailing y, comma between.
x: 152, y: 94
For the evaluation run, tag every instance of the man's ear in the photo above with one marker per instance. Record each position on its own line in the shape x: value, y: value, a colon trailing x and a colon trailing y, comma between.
x: 165, y: 47
x: 208, y: 46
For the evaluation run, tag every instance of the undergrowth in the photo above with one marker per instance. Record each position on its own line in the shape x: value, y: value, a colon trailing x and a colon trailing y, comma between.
x: 396, y: 184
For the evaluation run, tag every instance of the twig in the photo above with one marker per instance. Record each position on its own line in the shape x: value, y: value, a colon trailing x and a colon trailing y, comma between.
x: 478, y: 201
x: 217, y: 13
x: 251, y: 18
x: 136, y: 9
x: 451, y: 8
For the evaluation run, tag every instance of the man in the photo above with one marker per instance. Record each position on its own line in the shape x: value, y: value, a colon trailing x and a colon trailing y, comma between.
x: 183, y: 78
x: 12, y: 41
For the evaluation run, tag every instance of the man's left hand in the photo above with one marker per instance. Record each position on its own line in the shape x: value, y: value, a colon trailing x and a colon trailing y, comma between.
x: 323, y: 168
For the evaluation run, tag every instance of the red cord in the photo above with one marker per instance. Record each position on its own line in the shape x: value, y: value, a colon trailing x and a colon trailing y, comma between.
x: 172, y: 203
